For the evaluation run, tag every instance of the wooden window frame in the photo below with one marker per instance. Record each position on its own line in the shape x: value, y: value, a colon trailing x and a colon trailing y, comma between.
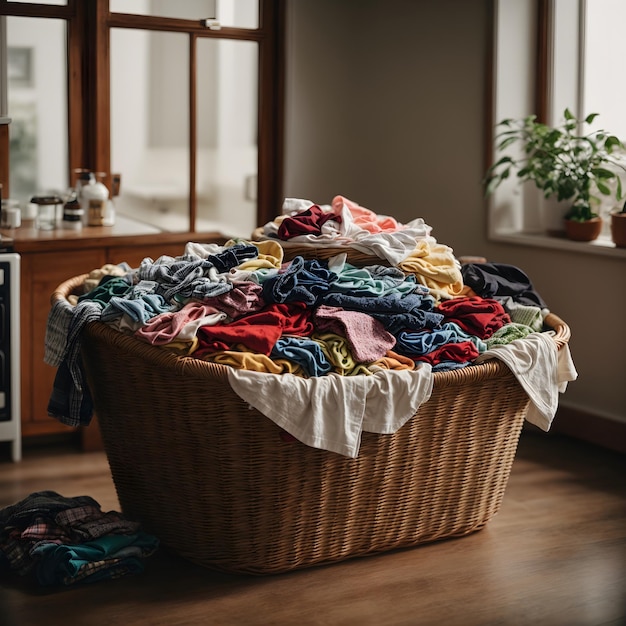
x: 544, y: 19
x: 88, y: 87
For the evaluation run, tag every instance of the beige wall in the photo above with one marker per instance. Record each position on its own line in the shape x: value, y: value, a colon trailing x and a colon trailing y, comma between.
x: 385, y: 105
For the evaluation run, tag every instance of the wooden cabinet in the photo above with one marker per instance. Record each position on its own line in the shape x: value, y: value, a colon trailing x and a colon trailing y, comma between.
x: 44, y: 266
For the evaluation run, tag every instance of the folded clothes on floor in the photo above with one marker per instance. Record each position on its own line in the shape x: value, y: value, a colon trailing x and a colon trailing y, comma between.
x: 62, y: 541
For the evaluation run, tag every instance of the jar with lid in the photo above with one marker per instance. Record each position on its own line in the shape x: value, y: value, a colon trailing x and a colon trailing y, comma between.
x: 72, y: 212
x: 46, y: 211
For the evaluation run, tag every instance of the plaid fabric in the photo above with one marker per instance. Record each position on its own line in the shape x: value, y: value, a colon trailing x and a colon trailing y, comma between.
x: 17, y: 555
x: 70, y: 401
x: 44, y: 530
x: 105, y: 569
x: 57, y: 329
x: 88, y: 522
x: 45, y: 524
x: 39, y: 504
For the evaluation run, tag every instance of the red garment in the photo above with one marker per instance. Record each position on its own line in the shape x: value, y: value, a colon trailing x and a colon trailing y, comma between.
x: 307, y: 222
x: 259, y: 332
x: 477, y: 316
x: 462, y: 352
x: 296, y: 317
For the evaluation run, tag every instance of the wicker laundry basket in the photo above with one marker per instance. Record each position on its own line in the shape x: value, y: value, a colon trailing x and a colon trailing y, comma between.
x: 220, y: 485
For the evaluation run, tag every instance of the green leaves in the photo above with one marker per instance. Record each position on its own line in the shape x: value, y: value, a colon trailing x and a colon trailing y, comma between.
x: 507, y: 142
x: 602, y: 173
x: 612, y: 142
x: 559, y: 160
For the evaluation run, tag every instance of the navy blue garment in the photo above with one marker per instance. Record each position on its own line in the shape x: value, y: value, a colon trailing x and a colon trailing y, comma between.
x: 418, y: 320
x: 389, y: 303
x: 233, y: 256
x: 395, y: 311
x: 302, y: 281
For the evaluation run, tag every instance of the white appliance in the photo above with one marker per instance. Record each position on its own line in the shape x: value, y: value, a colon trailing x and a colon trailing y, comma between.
x: 10, y: 408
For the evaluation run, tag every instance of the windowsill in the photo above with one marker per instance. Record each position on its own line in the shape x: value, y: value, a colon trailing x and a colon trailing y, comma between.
x: 600, y: 247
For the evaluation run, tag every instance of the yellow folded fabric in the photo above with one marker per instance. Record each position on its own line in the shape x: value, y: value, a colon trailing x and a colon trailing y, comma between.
x: 337, y: 351
x: 435, y: 267
x: 182, y: 348
x: 255, y: 362
x: 270, y: 255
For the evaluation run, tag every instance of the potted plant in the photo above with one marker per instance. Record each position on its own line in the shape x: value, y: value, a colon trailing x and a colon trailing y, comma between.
x: 563, y: 164
x: 618, y: 227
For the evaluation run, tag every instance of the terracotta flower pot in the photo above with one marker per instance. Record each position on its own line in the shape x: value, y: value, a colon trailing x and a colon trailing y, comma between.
x: 583, y: 231
x: 618, y: 229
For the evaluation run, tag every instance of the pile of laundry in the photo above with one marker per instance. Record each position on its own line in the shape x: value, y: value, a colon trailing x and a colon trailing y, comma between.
x: 251, y: 306
x: 63, y: 541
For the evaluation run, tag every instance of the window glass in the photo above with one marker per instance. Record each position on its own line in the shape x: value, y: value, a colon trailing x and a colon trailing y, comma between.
x: 235, y: 13
x: 150, y: 125
x: 585, y: 66
x: 604, y: 89
x: 226, y: 178
x: 37, y: 106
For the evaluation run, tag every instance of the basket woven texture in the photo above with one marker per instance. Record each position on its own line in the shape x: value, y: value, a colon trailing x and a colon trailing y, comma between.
x: 219, y: 485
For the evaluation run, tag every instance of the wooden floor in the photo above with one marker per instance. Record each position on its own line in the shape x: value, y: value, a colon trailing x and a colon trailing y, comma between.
x: 554, y: 555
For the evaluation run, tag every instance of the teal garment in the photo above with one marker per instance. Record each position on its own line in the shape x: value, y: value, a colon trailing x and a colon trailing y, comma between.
x: 362, y: 281
x: 109, y: 556
x: 108, y: 287
x: 262, y: 274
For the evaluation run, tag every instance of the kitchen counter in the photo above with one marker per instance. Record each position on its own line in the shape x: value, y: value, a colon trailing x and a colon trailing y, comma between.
x: 125, y: 231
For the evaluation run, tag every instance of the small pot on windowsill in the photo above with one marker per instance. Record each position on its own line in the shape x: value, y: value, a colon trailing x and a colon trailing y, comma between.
x: 581, y: 223
x: 587, y: 230
x: 618, y: 227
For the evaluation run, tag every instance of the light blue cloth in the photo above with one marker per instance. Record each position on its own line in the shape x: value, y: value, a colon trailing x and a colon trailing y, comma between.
x: 420, y: 343
x: 305, y: 352
x: 140, y: 310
